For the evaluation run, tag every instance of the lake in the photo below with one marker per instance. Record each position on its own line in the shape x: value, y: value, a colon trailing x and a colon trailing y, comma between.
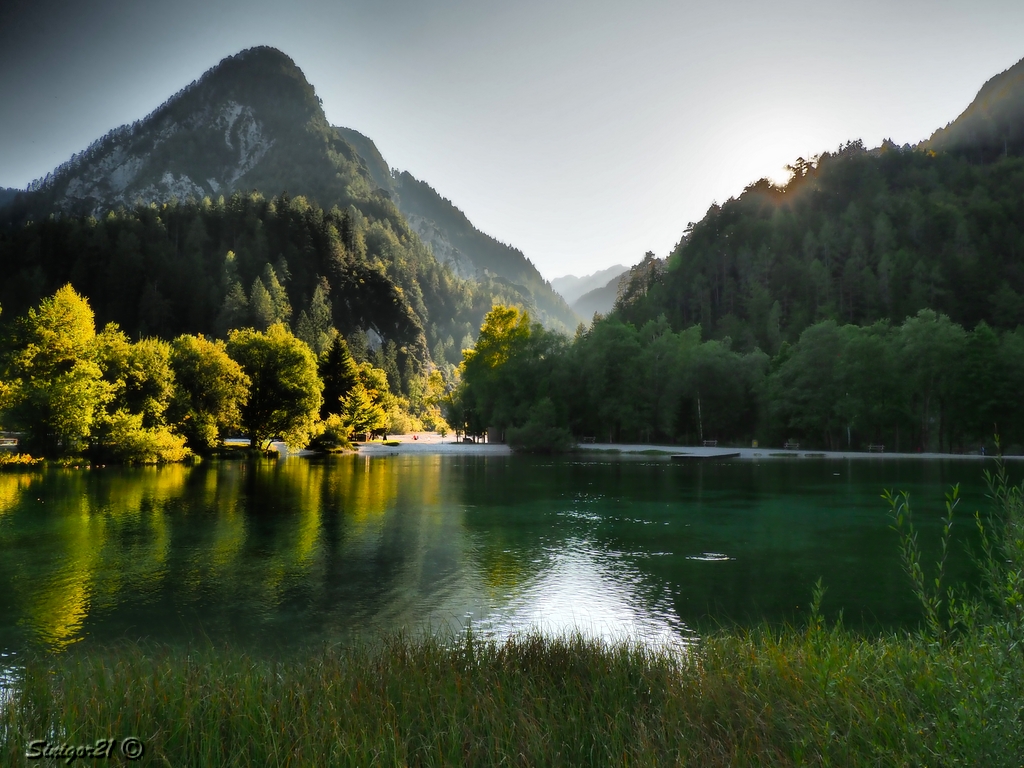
x: 268, y: 554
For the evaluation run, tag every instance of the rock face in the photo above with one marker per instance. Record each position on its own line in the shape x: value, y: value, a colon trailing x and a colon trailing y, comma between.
x: 251, y: 122
x: 127, y: 169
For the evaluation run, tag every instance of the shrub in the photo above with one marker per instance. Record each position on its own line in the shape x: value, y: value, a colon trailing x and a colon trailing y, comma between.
x: 540, y: 434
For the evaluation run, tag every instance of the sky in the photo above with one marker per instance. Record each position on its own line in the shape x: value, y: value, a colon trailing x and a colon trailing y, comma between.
x: 583, y: 133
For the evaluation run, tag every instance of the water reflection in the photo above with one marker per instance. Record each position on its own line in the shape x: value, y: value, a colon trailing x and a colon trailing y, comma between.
x: 277, y: 552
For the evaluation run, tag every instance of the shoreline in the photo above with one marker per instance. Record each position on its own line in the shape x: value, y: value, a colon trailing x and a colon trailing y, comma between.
x: 432, y: 444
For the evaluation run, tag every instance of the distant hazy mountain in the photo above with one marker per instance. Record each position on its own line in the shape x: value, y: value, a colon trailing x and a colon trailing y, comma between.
x: 7, y: 195
x: 993, y: 124
x: 600, y: 299
x: 572, y: 288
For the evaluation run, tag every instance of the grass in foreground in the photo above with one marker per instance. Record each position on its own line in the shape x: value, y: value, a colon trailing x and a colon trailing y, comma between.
x: 813, y: 696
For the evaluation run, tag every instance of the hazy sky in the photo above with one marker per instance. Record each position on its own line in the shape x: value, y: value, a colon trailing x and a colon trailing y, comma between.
x: 584, y: 133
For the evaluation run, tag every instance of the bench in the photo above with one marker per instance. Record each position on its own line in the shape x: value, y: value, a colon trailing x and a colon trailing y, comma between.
x: 588, y: 439
x: 710, y: 443
x: 876, y: 449
x: 792, y: 445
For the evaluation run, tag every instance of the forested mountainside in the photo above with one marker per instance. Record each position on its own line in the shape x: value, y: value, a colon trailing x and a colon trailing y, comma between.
x: 251, y: 125
x: 445, y: 227
x: 858, y: 236
x: 993, y: 125
x: 457, y: 243
x: 207, y: 267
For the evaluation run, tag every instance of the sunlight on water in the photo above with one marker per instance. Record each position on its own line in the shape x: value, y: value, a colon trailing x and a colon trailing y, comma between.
x: 581, y: 591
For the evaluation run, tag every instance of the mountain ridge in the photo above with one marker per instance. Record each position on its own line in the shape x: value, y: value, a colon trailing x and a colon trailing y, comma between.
x: 157, y: 224
x: 859, y: 236
x: 254, y: 122
x: 992, y: 125
x: 572, y: 288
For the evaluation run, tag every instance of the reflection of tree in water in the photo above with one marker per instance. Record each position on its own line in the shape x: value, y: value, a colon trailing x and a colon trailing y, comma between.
x: 268, y: 551
x: 12, y: 485
x: 104, y: 532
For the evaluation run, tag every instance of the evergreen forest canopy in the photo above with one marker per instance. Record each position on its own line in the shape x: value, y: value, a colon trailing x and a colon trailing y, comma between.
x: 924, y: 385
x: 212, y: 266
x: 856, y: 237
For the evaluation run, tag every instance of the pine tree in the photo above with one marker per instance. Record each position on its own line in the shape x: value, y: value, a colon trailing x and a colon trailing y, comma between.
x: 340, y: 373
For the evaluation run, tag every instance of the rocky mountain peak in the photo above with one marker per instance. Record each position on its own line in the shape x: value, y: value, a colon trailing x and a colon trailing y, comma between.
x: 208, y: 139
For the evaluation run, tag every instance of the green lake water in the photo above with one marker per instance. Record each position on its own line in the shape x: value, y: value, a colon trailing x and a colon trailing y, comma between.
x: 270, y: 554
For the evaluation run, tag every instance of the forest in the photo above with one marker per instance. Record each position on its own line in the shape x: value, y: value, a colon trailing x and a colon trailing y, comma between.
x: 70, y: 391
x: 856, y: 236
x: 210, y: 266
x: 926, y: 384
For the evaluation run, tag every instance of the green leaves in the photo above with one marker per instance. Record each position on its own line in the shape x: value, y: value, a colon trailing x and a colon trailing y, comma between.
x: 285, y: 389
x: 210, y: 389
x: 57, y: 389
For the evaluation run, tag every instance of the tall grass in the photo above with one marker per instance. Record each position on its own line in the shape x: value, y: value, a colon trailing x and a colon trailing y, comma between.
x: 814, y: 696
x: 951, y: 694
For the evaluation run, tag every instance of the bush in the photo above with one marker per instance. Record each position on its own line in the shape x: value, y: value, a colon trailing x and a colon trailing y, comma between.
x: 10, y: 460
x: 128, y: 441
x: 540, y: 434
x: 337, y: 435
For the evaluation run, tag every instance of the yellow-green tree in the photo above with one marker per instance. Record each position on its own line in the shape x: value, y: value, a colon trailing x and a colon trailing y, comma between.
x: 209, y: 390
x: 285, y: 389
x: 56, y: 385
x: 133, y: 427
x: 361, y: 412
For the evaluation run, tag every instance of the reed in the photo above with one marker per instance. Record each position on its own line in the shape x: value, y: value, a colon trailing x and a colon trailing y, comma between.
x: 793, y: 696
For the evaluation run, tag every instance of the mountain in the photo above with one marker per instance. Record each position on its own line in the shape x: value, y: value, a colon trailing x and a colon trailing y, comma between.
x: 600, y: 300
x: 572, y: 288
x: 7, y: 195
x: 992, y: 126
x: 251, y: 122
x: 454, y: 240
x: 244, y: 161
x: 860, y: 236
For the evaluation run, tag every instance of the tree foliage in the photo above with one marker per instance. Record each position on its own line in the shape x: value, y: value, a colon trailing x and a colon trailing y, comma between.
x: 57, y: 384
x: 210, y: 389
x: 285, y: 389
x: 856, y: 236
x: 926, y: 385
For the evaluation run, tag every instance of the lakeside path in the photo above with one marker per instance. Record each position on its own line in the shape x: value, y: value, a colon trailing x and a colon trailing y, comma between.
x: 430, y: 443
